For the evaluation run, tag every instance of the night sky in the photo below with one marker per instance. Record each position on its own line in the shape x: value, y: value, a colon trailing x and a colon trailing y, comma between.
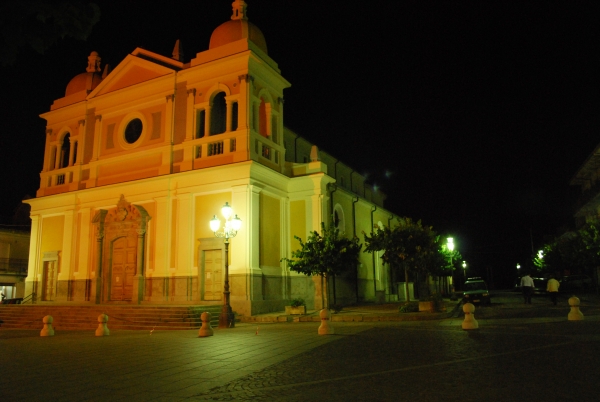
x: 471, y: 116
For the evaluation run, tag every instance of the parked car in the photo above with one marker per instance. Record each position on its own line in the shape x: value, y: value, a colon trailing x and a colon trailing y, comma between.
x: 476, y: 292
x: 539, y: 286
x: 575, y: 283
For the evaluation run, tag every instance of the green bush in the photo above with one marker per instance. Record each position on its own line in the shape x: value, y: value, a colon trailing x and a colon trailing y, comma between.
x: 410, y: 307
x: 297, y: 302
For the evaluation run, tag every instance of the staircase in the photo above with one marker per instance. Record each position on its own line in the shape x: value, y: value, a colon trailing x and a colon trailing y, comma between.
x: 15, y: 316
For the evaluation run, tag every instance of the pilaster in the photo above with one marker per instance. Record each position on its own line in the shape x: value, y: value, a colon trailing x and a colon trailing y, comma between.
x: 167, y: 155
x: 163, y: 236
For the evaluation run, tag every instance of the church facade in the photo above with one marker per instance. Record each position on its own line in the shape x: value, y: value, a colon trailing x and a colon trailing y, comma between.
x: 138, y: 160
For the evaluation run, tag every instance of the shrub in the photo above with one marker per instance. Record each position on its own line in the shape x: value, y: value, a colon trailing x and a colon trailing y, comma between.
x: 297, y: 302
x: 410, y: 307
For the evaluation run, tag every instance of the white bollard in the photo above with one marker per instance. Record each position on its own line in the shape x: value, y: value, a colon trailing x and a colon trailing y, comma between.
x: 47, y: 330
x: 575, y: 314
x: 470, y: 322
x: 205, y: 329
x: 102, y: 329
x: 325, y: 328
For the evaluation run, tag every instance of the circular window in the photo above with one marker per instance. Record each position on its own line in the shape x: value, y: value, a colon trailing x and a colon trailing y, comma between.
x: 133, y: 131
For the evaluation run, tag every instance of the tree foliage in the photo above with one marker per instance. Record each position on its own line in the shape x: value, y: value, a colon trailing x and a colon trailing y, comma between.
x: 327, y: 254
x: 409, y: 246
x: 577, y: 251
x: 40, y: 24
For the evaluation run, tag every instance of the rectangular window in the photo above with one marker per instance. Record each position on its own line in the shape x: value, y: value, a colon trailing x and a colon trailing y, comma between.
x: 200, y: 123
x: 199, y: 151
x: 60, y: 179
x: 234, y: 116
x: 232, y: 145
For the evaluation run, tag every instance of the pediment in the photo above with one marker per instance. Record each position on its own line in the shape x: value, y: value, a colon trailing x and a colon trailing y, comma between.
x: 131, y: 71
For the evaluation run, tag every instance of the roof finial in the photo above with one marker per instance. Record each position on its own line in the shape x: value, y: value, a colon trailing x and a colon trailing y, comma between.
x: 178, y: 51
x: 239, y: 10
x: 93, y: 63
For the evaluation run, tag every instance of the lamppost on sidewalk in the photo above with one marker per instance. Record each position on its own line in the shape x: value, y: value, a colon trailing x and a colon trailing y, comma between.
x: 232, y: 225
x: 464, y: 265
x: 450, y: 247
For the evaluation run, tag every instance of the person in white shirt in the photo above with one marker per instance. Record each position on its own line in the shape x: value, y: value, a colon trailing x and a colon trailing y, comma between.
x: 527, y: 288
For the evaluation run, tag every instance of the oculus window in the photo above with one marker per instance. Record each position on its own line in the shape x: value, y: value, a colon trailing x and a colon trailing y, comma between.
x: 133, y: 131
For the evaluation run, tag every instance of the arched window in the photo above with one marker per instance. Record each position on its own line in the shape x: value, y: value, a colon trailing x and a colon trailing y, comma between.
x: 262, y: 118
x: 65, y: 149
x: 75, y: 146
x: 339, y: 220
x: 218, y: 114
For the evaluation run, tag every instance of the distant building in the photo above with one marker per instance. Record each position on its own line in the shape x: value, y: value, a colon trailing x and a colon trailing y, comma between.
x: 139, y: 159
x: 14, y: 250
x: 588, y: 179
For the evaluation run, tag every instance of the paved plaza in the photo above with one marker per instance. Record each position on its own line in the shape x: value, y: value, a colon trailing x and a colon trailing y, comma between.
x: 533, y: 359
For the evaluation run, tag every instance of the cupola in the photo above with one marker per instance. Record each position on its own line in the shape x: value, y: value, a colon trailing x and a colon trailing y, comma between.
x: 238, y: 28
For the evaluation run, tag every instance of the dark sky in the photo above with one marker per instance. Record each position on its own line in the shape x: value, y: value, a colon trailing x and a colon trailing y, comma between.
x: 471, y: 116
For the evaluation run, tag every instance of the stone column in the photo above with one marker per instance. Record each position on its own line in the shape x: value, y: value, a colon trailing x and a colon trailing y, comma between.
x: 80, y: 141
x: 138, y: 280
x: 48, y: 151
x: 98, y: 279
x: 97, y: 138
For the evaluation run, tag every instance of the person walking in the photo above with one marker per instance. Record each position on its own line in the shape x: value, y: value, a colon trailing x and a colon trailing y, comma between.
x: 527, y: 288
x: 552, y: 289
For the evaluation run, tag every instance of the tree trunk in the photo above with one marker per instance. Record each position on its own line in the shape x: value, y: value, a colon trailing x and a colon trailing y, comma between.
x: 406, y: 284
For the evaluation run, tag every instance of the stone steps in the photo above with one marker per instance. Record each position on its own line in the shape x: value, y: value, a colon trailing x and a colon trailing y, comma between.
x: 119, y: 317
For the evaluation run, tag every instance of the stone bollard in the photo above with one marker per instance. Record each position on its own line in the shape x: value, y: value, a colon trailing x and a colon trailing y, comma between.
x: 102, y: 329
x: 205, y: 329
x: 470, y: 322
x: 47, y: 330
x: 575, y: 314
x: 325, y: 328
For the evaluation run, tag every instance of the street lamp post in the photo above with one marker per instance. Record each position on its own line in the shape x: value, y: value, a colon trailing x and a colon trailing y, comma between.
x: 232, y: 225
x: 450, y: 246
x: 464, y: 265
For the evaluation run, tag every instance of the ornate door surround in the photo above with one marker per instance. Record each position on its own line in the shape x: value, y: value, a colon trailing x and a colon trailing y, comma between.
x: 124, y: 221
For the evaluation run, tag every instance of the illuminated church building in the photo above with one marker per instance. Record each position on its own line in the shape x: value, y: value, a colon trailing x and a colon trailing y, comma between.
x: 139, y: 159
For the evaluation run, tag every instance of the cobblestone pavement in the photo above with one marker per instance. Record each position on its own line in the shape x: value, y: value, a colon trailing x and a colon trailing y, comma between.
x: 517, y: 357
x: 407, y: 362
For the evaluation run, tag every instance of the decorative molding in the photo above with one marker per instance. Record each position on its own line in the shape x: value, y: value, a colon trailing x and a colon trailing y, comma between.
x: 191, y: 91
x: 246, y: 77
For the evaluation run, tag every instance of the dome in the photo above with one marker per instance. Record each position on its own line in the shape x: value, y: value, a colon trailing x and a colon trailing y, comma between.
x: 88, y: 80
x: 234, y: 30
x: 83, y: 81
x: 238, y: 28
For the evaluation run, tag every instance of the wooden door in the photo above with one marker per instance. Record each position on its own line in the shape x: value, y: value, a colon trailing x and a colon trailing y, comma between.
x: 213, y: 275
x: 123, y: 268
x: 49, y: 281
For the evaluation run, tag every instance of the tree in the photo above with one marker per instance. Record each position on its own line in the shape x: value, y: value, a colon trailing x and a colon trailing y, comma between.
x: 408, y: 247
x: 41, y: 23
x: 326, y: 255
x: 577, y: 251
